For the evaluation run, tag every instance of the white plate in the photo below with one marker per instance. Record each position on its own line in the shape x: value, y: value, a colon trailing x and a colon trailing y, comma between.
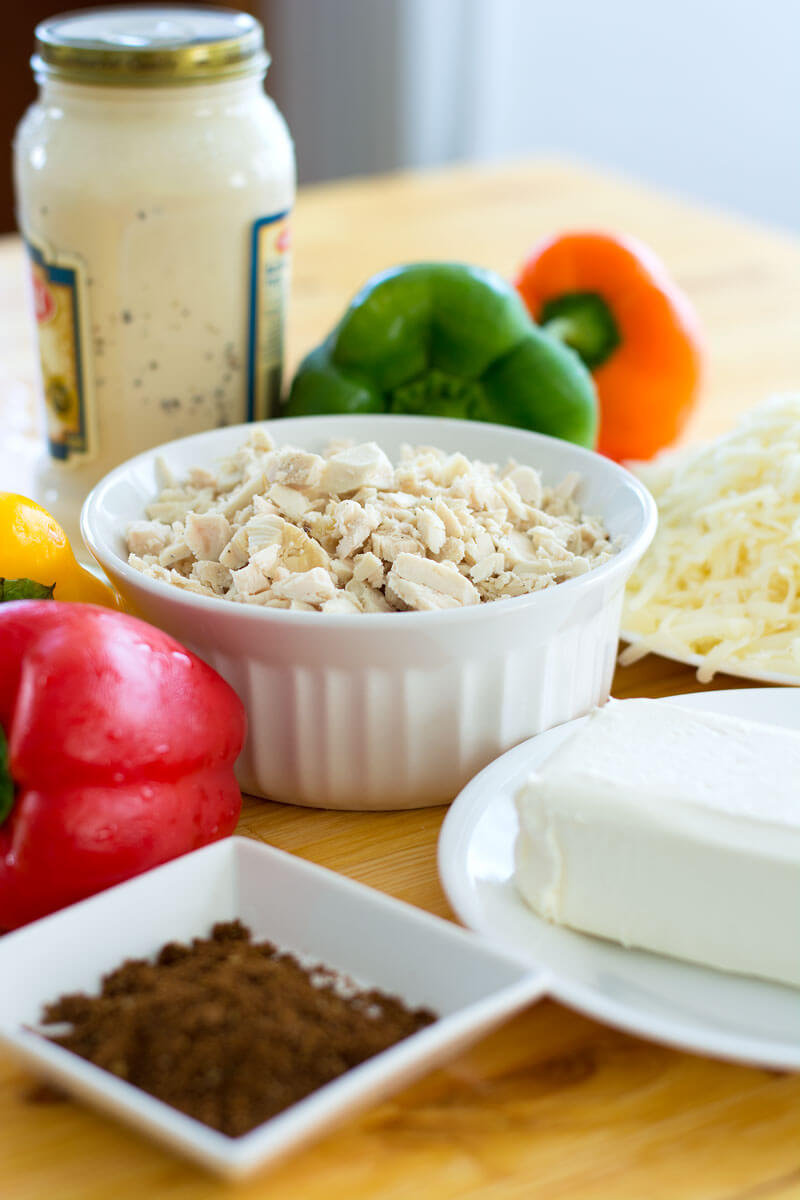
x: 301, y: 907
x: 691, y: 1007
x: 740, y: 669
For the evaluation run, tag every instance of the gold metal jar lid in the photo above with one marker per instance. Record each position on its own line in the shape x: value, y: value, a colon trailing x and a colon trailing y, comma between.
x: 149, y: 46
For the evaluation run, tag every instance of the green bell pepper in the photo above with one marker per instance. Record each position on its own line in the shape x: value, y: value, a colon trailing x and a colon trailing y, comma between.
x: 445, y: 339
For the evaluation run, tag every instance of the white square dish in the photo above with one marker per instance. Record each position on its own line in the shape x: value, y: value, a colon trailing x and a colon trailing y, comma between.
x: 301, y: 907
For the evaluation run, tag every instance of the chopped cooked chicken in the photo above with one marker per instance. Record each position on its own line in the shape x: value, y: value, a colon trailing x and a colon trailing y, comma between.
x: 441, y: 578
x: 213, y: 575
x: 346, y: 531
x: 351, y: 469
x: 148, y: 537
x: 207, y: 534
x: 295, y: 468
x: 288, y: 500
x: 368, y: 568
x: 314, y: 586
x: 355, y: 525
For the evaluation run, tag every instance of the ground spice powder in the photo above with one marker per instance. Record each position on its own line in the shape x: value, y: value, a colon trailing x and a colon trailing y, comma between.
x: 228, y: 1030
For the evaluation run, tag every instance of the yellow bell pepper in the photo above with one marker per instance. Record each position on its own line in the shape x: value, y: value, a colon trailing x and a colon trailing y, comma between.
x: 33, y: 546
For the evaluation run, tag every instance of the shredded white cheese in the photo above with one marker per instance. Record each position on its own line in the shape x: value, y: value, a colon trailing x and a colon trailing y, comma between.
x: 720, y: 580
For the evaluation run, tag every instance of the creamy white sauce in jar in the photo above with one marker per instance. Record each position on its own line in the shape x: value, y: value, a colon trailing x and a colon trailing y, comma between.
x: 154, y: 184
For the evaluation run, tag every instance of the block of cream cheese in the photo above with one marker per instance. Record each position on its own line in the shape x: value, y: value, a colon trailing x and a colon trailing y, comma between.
x: 670, y: 829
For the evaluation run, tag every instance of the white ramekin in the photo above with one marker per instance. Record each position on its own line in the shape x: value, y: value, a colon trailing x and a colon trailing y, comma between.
x: 391, y: 710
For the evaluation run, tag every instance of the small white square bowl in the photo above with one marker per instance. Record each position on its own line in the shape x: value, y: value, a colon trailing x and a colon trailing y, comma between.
x: 301, y: 907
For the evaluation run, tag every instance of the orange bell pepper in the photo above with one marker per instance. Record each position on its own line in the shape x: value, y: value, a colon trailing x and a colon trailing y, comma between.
x: 611, y: 300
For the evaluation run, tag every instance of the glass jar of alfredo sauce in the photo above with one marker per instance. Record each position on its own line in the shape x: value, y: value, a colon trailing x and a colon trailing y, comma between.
x: 154, y: 183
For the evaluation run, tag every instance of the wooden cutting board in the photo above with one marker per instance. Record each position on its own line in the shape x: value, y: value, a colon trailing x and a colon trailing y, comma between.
x: 553, y: 1104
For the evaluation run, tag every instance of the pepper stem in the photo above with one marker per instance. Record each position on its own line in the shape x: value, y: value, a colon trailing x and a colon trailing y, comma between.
x: 25, y: 589
x: 6, y: 782
x: 584, y: 322
x: 437, y: 394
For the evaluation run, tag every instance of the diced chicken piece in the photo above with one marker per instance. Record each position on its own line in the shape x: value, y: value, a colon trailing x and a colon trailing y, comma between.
x: 201, y: 477
x: 516, y: 507
x: 268, y: 560
x: 499, y: 587
x: 545, y: 542
x: 541, y: 565
x: 148, y: 537
x: 368, y: 568
x: 394, y: 602
x: 356, y: 467
x: 442, y: 578
x: 171, y: 510
x: 242, y: 495
x: 213, y: 575
x: 314, y: 586
x: 149, y: 567
x: 300, y: 552
x: 528, y: 483
x: 452, y: 525
x: 369, y: 599
x: 292, y: 503
x: 517, y: 547
x: 479, y: 546
x: 262, y: 530
x: 389, y: 545
x: 431, y: 529
x: 452, y: 550
x: 342, y: 570
x: 366, y: 495
x: 577, y: 565
x: 295, y: 468
x: 355, y: 525
x: 244, y: 515
x: 342, y: 602
x: 207, y: 534
x: 336, y: 445
x: 190, y: 584
x: 177, y: 551
x: 400, y: 500
x: 245, y: 459
x: 454, y: 467
x: 164, y: 475
x: 483, y: 495
x: 566, y: 488
x: 236, y: 553
x: 322, y: 528
x: 419, y: 597
x: 262, y: 506
x: 492, y: 564
x: 260, y: 439
x: 587, y: 535
x: 249, y: 580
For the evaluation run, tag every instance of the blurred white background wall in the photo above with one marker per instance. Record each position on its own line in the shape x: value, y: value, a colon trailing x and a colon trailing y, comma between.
x: 699, y: 96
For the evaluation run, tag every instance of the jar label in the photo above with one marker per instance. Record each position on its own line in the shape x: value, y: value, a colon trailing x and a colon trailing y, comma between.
x: 269, y: 292
x: 60, y: 306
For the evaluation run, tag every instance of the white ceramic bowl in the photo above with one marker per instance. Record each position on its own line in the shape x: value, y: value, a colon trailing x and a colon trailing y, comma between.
x: 391, y: 710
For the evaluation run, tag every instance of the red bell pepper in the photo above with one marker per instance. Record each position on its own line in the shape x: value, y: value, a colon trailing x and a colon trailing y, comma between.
x: 120, y: 753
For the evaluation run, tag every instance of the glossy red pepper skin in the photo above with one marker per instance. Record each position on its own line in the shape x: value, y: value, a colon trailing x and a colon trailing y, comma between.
x: 121, y: 747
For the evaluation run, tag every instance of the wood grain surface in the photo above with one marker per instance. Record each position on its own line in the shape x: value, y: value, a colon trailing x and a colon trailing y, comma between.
x: 552, y: 1105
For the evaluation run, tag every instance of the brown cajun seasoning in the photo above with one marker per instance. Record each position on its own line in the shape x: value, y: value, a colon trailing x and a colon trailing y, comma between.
x: 230, y: 1031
